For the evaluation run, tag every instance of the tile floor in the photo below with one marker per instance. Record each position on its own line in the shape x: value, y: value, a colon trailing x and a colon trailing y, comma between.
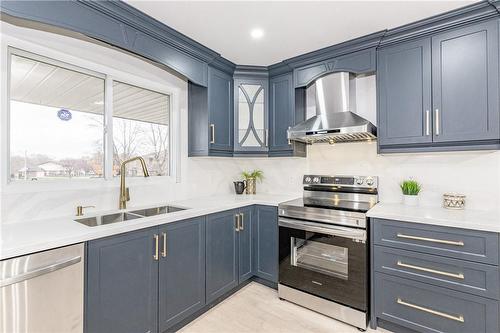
x: 256, y: 308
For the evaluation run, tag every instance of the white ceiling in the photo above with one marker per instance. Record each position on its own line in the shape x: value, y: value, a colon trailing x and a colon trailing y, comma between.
x: 291, y: 27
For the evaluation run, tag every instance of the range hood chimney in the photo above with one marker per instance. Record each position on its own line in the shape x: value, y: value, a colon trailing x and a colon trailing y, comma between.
x: 335, y: 120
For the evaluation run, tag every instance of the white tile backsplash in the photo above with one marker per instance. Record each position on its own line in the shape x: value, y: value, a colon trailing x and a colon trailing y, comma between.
x: 475, y: 174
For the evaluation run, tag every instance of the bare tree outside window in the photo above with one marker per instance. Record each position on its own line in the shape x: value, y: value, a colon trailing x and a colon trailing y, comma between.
x: 140, y: 128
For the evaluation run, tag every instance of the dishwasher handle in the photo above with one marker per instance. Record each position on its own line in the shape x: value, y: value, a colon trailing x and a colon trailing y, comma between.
x: 40, y: 271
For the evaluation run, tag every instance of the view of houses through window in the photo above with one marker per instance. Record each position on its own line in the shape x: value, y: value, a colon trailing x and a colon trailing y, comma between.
x: 57, y: 123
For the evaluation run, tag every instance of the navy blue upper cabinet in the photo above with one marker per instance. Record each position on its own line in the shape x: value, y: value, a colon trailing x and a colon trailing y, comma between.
x: 220, y: 101
x: 282, y: 115
x: 465, y: 87
x: 441, y: 93
x: 221, y: 254
x: 357, y: 62
x: 265, y: 256
x: 404, y: 93
x: 210, y: 116
x: 251, y: 115
x: 181, y: 271
x: 122, y: 284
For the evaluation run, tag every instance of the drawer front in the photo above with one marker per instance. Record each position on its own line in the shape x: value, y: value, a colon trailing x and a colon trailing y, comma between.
x: 475, y: 278
x: 458, y: 243
x: 428, y: 308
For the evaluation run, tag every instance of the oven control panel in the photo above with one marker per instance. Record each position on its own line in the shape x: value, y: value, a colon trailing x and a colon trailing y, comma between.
x: 351, y: 181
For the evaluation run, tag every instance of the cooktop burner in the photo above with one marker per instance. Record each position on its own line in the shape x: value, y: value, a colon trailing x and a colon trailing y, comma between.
x: 334, y: 199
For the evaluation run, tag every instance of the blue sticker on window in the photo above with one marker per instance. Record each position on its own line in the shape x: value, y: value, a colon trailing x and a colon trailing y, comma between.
x: 64, y: 114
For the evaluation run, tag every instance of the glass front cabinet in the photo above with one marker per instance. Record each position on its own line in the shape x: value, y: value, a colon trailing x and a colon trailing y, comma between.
x: 251, y: 135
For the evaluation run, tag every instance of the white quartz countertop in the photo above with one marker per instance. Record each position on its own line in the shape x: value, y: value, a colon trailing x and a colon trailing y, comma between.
x: 466, y: 219
x: 20, y: 238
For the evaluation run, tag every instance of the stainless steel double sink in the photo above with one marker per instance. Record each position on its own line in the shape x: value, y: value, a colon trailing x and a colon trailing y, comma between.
x: 126, y: 216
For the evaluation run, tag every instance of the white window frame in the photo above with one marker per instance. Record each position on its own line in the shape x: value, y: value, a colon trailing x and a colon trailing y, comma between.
x: 14, y: 46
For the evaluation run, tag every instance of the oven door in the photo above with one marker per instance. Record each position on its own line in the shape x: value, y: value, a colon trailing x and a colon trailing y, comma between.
x: 324, y: 260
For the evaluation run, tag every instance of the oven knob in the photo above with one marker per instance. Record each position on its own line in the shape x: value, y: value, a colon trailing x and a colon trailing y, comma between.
x: 369, y: 181
x: 359, y: 181
x: 316, y: 180
x: 308, y: 179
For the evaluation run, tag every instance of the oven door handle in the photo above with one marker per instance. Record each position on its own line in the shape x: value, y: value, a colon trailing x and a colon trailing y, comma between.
x: 355, y: 234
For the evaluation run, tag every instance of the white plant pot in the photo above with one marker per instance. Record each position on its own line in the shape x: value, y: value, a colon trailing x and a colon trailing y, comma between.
x: 410, y: 200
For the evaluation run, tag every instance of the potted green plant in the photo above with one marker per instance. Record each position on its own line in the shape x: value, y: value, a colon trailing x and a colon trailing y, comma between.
x: 251, y: 178
x: 410, y: 188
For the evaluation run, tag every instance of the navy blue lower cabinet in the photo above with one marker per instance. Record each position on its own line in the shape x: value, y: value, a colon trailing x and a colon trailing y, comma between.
x: 245, y: 234
x: 221, y: 254
x: 462, y: 275
x: 122, y: 284
x: 428, y: 278
x: 265, y: 245
x: 181, y: 271
x: 426, y: 308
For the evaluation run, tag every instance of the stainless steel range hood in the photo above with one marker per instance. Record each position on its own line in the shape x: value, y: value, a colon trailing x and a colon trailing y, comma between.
x: 335, y: 120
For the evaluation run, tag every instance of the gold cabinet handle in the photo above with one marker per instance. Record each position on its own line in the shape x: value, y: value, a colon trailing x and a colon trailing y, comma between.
x: 241, y: 221
x: 237, y: 222
x: 430, y: 270
x: 427, y: 122
x: 437, y: 121
x: 432, y: 240
x: 459, y: 318
x: 164, y: 251
x: 212, y: 133
x: 156, y: 256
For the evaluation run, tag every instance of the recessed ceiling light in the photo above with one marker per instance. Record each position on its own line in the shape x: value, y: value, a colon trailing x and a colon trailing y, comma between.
x: 99, y: 102
x: 257, y: 33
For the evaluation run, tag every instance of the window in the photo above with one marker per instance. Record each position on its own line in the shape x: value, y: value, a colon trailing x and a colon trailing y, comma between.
x: 140, y: 128
x: 57, y: 123
x: 56, y: 118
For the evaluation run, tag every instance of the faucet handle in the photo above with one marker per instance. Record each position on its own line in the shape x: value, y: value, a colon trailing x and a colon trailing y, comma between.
x: 127, y: 194
x: 79, y: 209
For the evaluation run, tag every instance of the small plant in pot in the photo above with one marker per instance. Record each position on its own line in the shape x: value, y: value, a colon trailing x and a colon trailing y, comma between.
x: 251, y: 178
x: 410, y: 188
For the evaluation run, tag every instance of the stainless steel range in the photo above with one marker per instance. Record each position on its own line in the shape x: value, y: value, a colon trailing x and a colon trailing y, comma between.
x: 323, y: 250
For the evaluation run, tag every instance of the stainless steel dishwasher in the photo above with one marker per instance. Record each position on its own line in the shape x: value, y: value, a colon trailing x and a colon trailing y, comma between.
x: 43, y: 292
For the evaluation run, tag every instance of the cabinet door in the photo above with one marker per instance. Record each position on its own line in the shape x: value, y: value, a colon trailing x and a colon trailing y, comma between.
x: 281, y: 111
x: 220, y: 105
x: 251, y: 134
x: 122, y: 284
x: 221, y: 254
x: 245, y: 235
x: 465, y: 83
x: 181, y: 271
x: 404, y: 93
x: 266, y: 243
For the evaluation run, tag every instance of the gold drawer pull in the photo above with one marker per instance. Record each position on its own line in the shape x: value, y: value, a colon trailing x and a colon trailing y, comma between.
x: 430, y: 270
x: 433, y: 240
x: 164, y: 252
x: 212, y: 133
x: 241, y: 221
x: 156, y: 256
x: 459, y: 318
